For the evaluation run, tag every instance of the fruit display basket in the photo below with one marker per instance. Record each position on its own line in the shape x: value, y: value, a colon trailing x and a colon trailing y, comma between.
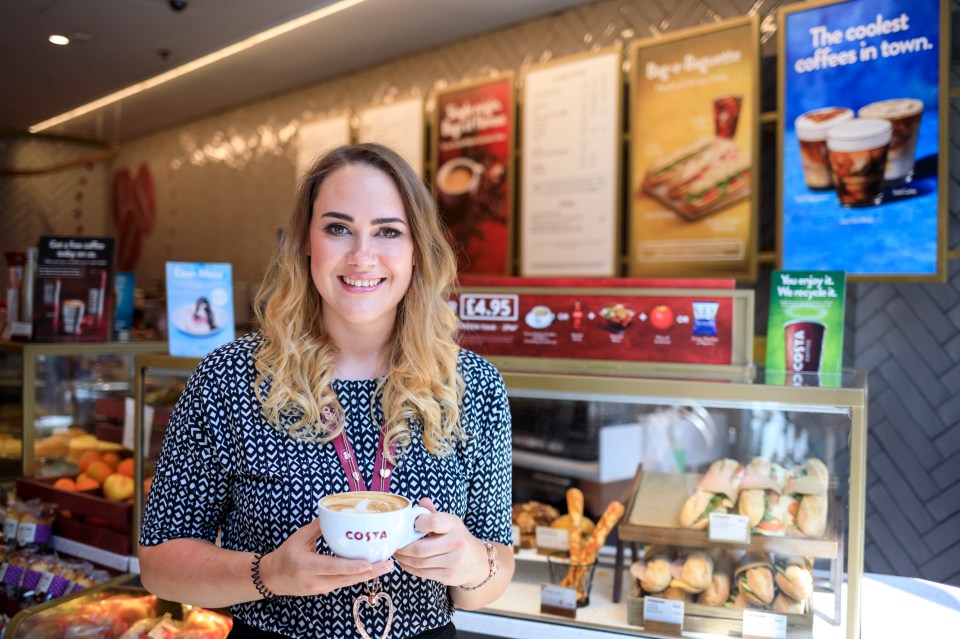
x: 85, y: 516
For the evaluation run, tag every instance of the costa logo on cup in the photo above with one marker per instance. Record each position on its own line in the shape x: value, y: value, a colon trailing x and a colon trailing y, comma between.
x: 368, y: 525
x: 359, y: 535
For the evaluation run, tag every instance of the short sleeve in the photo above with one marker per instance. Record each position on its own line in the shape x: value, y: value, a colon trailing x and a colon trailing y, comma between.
x: 190, y: 491
x: 489, y: 448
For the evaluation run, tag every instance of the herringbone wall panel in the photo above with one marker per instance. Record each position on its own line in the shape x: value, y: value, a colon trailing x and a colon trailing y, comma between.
x: 224, y: 184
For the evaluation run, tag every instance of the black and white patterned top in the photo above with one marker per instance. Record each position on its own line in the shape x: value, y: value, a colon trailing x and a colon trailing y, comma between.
x: 223, y: 467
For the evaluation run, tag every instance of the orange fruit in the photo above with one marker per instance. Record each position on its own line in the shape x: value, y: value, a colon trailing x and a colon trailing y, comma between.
x: 87, y: 458
x: 86, y: 482
x: 65, y: 483
x: 99, y: 470
x: 112, y: 459
x: 125, y: 467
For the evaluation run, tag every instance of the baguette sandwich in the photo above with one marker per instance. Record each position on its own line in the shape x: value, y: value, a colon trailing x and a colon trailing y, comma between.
x: 794, y: 577
x: 717, y: 153
x: 755, y: 579
x: 654, y: 571
x: 718, y: 592
x: 695, y: 573
x: 785, y: 604
x: 661, y: 171
x: 724, y: 182
x: 716, y: 492
x: 806, y: 510
x: 760, y: 496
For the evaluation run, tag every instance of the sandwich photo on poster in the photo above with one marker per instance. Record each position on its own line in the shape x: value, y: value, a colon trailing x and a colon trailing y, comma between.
x: 473, y: 137
x: 694, y: 139
x: 861, y: 104
x: 805, y: 328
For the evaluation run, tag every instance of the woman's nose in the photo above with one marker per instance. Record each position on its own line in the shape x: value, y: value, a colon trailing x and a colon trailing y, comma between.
x: 362, y: 254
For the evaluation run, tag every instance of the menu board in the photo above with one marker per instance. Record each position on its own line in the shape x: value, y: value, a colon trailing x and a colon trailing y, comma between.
x: 73, y: 291
x: 399, y: 125
x: 627, y: 321
x: 569, y: 199
x: 473, y: 137
x: 316, y: 138
x: 863, y: 104
x: 694, y: 128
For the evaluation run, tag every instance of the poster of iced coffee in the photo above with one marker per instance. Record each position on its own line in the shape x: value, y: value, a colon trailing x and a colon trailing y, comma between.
x: 805, y: 328
x: 472, y: 172
x: 73, y: 294
x: 861, y: 102
x: 694, y: 139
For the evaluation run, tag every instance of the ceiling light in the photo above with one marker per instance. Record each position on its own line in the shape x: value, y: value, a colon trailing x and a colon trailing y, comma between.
x: 59, y: 39
x: 193, y: 65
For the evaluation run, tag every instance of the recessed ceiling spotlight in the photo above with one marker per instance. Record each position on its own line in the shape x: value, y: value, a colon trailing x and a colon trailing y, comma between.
x: 59, y: 39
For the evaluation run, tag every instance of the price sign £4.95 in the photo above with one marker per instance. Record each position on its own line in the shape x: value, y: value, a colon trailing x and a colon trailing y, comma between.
x: 489, y: 306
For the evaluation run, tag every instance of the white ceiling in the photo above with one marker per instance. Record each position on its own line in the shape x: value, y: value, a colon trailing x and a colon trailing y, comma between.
x: 121, y: 42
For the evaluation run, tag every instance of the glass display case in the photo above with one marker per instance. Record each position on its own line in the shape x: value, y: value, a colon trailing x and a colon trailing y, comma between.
x: 120, y: 607
x: 647, y: 442
x: 50, y: 394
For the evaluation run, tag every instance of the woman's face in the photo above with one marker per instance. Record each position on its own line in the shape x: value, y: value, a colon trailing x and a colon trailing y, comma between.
x: 360, y: 248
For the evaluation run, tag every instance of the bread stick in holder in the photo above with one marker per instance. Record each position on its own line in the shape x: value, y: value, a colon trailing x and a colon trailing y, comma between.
x: 567, y: 574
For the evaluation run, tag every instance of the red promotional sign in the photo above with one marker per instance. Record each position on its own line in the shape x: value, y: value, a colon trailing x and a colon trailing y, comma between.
x: 473, y: 169
x: 636, y: 324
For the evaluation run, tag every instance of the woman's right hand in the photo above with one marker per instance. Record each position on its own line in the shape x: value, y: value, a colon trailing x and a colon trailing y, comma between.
x: 296, y: 568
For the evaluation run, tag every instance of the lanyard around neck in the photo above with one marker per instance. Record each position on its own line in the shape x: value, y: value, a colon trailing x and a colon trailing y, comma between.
x: 382, y: 467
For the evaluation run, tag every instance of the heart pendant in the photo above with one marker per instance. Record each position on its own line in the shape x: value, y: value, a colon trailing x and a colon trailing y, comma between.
x: 373, y: 600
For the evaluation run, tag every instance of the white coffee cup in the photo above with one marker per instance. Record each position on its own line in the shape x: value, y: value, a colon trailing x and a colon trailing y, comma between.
x: 72, y: 310
x: 368, y: 524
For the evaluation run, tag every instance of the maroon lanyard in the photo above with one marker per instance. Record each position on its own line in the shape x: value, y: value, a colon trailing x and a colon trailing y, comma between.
x: 382, y: 467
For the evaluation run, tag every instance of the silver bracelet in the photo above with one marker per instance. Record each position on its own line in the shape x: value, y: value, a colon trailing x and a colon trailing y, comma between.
x: 494, y: 566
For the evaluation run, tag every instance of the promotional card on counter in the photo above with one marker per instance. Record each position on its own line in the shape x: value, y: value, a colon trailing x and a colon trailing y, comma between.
x: 73, y: 293
x: 473, y: 137
x: 695, y: 123
x: 199, y: 307
x: 658, y: 321
x: 862, y: 104
x: 805, y: 328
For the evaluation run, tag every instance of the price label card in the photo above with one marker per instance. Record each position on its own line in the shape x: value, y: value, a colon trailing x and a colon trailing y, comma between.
x: 489, y: 306
x: 553, y: 539
x: 664, y: 615
x: 558, y: 601
x: 516, y: 536
x: 764, y: 625
x: 729, y: 528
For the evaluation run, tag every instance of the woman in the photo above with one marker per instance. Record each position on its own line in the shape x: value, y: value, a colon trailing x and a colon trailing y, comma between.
x: 356, y: 338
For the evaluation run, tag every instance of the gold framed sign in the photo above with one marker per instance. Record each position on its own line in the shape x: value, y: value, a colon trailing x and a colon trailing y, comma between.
x: 570, y: 166
x: 862, y: 138
x: 472, y: 169
x: 694, y: 132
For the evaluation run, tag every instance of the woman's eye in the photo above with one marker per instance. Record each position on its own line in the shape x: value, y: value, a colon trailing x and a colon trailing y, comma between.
x: 389, y: 232
x: 336, y: 229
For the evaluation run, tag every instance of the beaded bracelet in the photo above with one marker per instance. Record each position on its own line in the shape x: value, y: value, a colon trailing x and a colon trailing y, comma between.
x: 257, y: 579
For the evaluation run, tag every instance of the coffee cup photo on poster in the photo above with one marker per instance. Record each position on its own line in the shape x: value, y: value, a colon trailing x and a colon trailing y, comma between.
x: 861, y: 127
x: 805, y: 328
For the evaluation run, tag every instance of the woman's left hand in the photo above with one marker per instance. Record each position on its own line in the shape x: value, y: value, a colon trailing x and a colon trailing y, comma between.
x: 448, y: 554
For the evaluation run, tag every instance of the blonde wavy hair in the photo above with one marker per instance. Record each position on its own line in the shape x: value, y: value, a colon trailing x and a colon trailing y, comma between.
x: 295, y: 360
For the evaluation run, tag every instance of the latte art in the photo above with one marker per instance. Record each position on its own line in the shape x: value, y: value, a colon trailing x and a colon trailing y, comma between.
x: 364, y: 503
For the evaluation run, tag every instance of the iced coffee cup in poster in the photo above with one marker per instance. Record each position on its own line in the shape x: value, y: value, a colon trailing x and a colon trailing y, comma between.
x: 472, y: 172
x: 694, y: 141
x: 862, y: 88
